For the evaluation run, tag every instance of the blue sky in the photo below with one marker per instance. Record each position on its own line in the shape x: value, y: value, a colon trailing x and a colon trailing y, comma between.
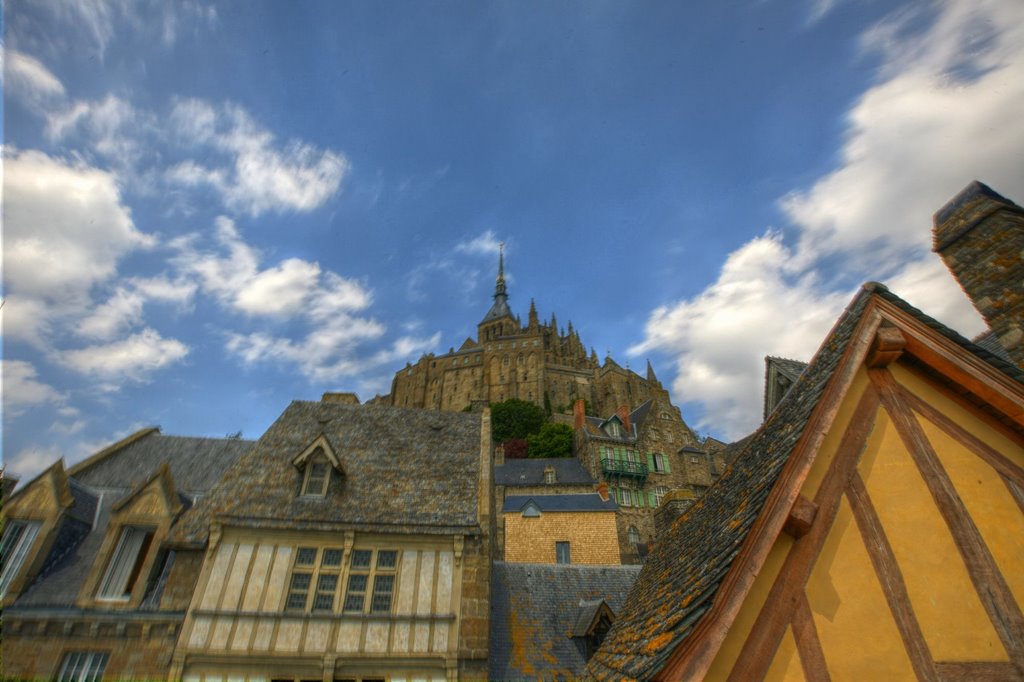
x: 213, y: 209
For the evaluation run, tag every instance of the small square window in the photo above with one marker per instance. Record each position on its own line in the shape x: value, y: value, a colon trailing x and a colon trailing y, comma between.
x: 361, y: 558
x: 332, y: 558
x: 387, y: 558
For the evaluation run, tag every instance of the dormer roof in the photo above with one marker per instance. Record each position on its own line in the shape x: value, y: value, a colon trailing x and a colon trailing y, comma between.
x: 320, y: 445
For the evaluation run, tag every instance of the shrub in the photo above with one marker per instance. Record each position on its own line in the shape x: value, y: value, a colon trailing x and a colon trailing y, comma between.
x: 553, y: 440
x: 515, y: 419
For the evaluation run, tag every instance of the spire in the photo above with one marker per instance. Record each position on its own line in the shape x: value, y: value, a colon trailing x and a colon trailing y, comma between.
x: 532, y: 321
x: 650, y: 375
x: 500, y: 307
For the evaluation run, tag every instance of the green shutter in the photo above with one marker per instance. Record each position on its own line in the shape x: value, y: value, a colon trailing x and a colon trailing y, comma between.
x: 650, y: 461
x: 668, y: 467
x: 640, y: 498
x: 651, y: 501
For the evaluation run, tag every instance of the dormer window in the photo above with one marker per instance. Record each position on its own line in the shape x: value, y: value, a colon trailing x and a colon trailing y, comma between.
x: 549, y: 475
x: 126, y: 565
x: 17, y: 541
x: 318, y: 475
x: 317, y: 462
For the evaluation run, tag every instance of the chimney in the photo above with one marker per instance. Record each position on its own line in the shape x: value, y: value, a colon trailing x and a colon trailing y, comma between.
x: 578, y: 414
x: 602, y: 490
x: 980, y: 237
x: 499, y: 454
x: 623, y: 414
x: 343, y: 398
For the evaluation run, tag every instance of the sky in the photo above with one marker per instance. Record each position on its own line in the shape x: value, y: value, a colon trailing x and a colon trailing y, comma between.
x: 213, y: 209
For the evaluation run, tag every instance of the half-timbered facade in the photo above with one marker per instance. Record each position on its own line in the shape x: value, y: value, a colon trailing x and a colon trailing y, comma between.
x: 374, y: 565
x: 872, y: 529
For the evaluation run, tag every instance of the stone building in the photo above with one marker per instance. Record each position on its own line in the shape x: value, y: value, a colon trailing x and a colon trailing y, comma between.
x: 351, y: 543
x: 537, y: 362
x: 560, y: 529
x: 91, y: 585
x: 642, y: 455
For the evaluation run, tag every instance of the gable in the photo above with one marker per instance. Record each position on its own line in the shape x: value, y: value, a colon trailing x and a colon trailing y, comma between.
x: 45, y: 496
x: 916, y: 549
x: 155, y: 498
x: 319, y: 447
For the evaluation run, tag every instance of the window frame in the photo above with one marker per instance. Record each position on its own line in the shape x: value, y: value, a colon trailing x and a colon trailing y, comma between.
x: 563, y: 548
x: 317, y: 459
x: 95, y: 664
x: 17, y: 550
x: 105, y: 591
x: 316, y: 570
x: 370, y: 572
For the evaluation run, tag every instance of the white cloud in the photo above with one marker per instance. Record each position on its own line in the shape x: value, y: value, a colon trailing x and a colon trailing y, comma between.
x: 26, y: 78
x: 943, y: 112
x: 31, y: 461
x: 257, y: 174
x: 131, y: 359
x: 121, y: 311
x: 486, y: 244
x: 65, y: 226
x: 113, y: 127
x: 22, y: 388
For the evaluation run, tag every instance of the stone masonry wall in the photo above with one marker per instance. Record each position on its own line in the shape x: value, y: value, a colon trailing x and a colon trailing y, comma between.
x: 592, y: 537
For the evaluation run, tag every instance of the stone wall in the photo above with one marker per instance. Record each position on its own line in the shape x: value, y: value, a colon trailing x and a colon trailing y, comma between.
x: 592, y: 537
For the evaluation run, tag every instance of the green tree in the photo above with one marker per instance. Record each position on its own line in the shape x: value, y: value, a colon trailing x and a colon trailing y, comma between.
x: 515, y: 419
x: 553, y: 440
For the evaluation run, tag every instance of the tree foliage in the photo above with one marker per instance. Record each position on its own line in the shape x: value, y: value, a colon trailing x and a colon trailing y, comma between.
x: 515, y: 419
x: 553, y: 440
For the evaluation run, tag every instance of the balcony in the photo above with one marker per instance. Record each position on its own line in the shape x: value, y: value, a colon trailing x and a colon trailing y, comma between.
x: 614, y: 467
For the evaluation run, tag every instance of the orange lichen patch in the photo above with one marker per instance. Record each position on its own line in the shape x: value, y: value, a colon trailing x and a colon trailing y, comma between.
x: 526, y: 642
x: 657, y: 643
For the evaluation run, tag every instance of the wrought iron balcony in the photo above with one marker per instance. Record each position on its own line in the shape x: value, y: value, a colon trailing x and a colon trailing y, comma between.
x: 614, y: 467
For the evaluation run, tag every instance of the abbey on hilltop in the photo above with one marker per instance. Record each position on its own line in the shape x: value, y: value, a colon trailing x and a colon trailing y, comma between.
x: 536, y: 362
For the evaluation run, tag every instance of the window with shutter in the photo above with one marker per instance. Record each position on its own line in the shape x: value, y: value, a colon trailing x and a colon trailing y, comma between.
x: 126, y: 563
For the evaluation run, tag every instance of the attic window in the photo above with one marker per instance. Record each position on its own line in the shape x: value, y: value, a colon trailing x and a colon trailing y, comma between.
x: 318, y: 475
x: 17, y: 541
x: 531, y: 510
x: 126, y: 564
x: 549, y: 475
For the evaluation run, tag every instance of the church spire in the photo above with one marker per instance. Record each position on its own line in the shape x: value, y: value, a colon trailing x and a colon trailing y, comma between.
x: 500, y: 307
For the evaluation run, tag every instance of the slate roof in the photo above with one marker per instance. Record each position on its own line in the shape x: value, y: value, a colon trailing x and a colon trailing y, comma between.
x: 681, y: 576
x: 406, y: 470
x: 560, y: 503
x: 530, y: 472
x: 196, y: 463
x: 535, y: 609
x: 69, y: 564
x: 791, y: 369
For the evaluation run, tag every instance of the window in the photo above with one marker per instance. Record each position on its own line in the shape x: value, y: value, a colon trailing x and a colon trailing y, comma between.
x: 658, y: 460
x: 366, y: 570
x: 659, y: 494
x: 126, y: 564
x: 18, y: 539
x: 633, y: 535
x: 82, y: 666
x: 321, y: 577
x: 625, y: 497
x: 562, y: 553
x: 549, y: 475
x: 318, y: 475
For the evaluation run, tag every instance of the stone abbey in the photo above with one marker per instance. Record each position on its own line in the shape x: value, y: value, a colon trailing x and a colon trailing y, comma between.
x: 537, y: 362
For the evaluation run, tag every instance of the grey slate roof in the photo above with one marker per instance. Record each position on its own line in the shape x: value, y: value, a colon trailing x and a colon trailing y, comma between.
x: 406, y: 470
x: 196, y: 463
x: 791, y: 369
x: 560, y: 503
x: 60, y: 581
x: 681, y: 576
x: 530, y: 472
x: 535, y: 609
x: 990, y: 342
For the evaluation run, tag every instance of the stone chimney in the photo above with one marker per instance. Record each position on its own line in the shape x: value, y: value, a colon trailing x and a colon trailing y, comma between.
x: 623, y: 413
x: 499, y: 454
x: 343, y: 398
x: 579, y: 414
x: 980, y: 236
x: 602, y: 490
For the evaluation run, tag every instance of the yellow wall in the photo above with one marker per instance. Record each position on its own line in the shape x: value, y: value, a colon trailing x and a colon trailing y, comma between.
x: 591, y: 535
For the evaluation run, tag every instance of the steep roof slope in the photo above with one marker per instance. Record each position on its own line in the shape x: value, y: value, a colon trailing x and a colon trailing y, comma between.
x: 196, y: 463
x: 681, y: 578
x: 535, y: 609
x: 405, y: 470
